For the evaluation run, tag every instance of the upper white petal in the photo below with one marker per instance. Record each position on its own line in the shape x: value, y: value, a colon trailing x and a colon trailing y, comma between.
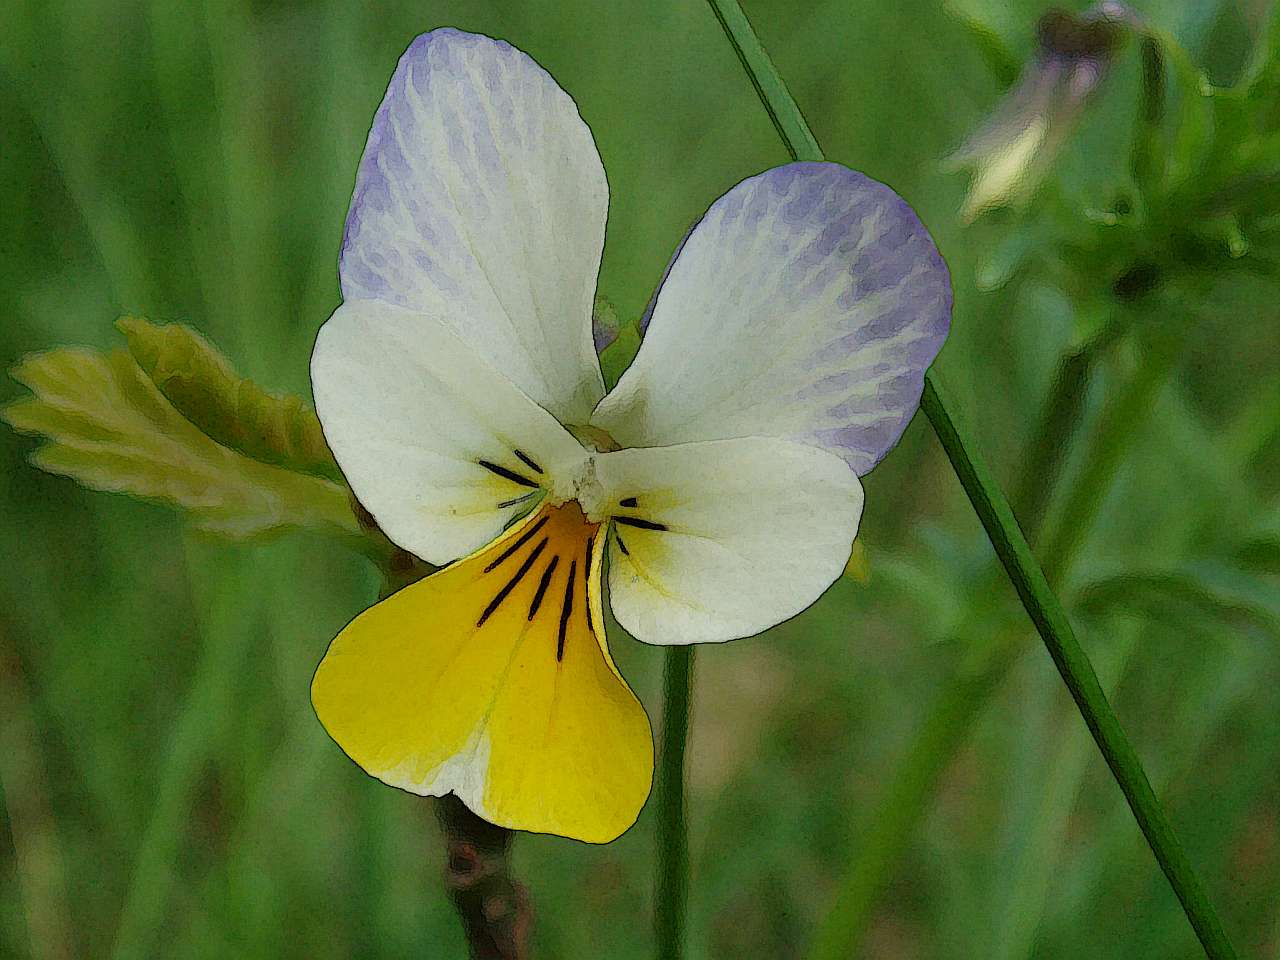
x: 754, y: 530
x: 410, y: 411
x: 481, y: 200
x: 807, y: 304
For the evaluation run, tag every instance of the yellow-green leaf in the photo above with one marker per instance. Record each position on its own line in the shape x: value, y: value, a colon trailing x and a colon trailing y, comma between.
x: 202, y: 385
x: 107, y: 425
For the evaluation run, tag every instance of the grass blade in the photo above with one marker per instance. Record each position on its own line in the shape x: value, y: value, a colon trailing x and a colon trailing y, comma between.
x: 24, y: 797
x: 1077, y: 672
x: 198, y: 732
x: 1011, y: 547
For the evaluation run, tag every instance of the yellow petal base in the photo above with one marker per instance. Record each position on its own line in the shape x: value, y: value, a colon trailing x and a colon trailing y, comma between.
x: 491, y: 679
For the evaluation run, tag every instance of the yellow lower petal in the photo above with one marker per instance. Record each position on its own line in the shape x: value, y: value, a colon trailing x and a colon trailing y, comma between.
x: 491, y: 679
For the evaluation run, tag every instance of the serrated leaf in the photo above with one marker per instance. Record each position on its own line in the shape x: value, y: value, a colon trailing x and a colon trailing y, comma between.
x: 107, y: 425
x: 237, y: 413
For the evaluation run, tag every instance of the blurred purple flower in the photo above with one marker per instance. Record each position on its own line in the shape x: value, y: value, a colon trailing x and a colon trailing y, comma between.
x: 1011, y: 152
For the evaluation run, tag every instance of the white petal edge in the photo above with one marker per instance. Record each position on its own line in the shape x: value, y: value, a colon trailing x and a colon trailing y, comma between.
x: 410, y: 410
x: 481, y: 199
x: 756, y: 530
x: 806, y: 304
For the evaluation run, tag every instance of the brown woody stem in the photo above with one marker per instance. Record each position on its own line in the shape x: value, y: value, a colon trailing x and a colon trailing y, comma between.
x: 493, y: 907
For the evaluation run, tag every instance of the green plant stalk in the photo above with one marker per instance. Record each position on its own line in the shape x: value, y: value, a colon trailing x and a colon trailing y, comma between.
x: 1011, y: 547
x: 197, y: 734
x: 947, y: 722
x: 1212, y: 697
x: 24, y: 798
x: 493, y: 907
x: 1034, y: 857
x: 961, y: 703
x: 1064, y: 538
x: 1077, y: 672
x: 1062, y: 412
x: 1045, y: 454
x: 673, y: 841
x: 944, y: 730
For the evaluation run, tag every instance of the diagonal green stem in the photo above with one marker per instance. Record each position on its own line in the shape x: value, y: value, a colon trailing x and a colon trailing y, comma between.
x: 1010, y: 545
x: 1077, y: 672
x: 774, y: 96
x: 673, y: 840
x: 992, y: 651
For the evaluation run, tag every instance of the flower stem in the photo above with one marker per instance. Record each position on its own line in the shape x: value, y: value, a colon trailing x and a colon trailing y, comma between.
x: 1010, y: 545
x: 992, y: 646
x: 673, y: 841
x: 494, y: 907
x: 1077, y: 672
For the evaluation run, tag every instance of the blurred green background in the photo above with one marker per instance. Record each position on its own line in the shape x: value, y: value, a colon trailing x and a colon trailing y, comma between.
x: 168, y: 791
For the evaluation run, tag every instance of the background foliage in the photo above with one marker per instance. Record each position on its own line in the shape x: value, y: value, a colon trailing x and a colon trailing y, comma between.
x: 168, y: 791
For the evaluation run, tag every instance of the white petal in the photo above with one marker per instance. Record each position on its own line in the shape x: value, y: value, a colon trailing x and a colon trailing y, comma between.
x: 754, y: 531
x: 806, y: 304
x: 411, y: 414
x: 481, y: 200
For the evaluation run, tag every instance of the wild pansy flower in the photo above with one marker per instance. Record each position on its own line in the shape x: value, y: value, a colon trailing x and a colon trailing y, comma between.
x: 460, y: 391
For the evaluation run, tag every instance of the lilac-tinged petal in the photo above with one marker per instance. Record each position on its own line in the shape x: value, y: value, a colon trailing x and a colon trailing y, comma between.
x: 806, y: 304
x: 481, y: 201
